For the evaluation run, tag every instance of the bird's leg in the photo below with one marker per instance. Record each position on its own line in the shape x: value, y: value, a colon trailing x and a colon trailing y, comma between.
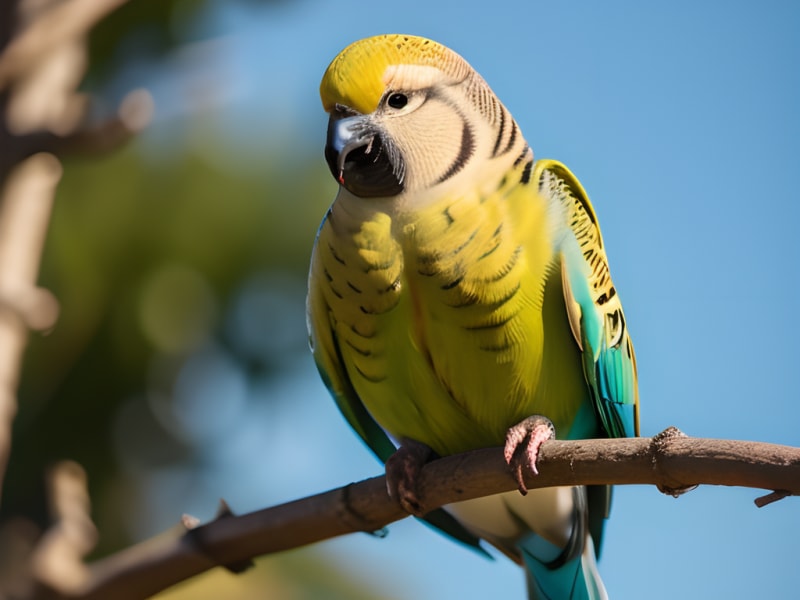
x: 523, y: 441
x: 402, y: 474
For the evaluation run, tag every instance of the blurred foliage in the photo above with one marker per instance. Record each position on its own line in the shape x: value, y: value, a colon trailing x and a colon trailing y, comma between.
x: 146, y: 30
x: 287, y: 577
x: 120, y: 224
x: 138, y: 28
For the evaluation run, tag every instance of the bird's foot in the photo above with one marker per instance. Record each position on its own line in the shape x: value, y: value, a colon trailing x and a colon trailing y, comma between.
x: 523, y: 441
x: 402, y: 474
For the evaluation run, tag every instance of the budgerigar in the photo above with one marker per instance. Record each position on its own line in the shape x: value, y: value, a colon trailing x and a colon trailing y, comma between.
x: 459, y: 292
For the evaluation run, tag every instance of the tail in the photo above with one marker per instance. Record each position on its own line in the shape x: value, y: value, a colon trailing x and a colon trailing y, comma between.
x: 553, y: 575
x: 568, y: 573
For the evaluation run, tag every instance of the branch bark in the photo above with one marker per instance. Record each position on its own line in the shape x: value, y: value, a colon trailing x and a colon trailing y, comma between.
x: 670, y: 460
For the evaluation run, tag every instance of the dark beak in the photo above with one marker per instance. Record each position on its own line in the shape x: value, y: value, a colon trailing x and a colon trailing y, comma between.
x: 360, y: 159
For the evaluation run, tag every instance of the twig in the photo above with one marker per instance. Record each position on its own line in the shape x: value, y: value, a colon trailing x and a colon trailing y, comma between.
x: 762, y: 501
x: 67, y: 20
x: 669, y: 461
x: 58, y: 557
x: 25, y: 205
x: 40, y: 71
x: 134, y: 113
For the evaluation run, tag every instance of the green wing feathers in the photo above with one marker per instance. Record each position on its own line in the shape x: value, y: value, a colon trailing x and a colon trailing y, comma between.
x: 593, y: 305
x: 327, y: 357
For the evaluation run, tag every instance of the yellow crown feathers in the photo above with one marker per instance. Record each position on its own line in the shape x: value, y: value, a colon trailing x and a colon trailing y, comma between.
x: 355, y: 78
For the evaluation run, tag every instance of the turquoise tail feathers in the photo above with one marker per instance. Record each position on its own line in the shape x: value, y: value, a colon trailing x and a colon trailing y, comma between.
x: 552, y: 577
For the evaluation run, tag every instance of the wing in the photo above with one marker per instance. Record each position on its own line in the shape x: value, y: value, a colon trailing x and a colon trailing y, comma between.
x: 593, y: 305
x: 596, y: 319
x: 328, y: 358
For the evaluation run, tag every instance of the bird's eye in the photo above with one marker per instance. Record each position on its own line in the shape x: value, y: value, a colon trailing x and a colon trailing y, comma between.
x: 397, y: 100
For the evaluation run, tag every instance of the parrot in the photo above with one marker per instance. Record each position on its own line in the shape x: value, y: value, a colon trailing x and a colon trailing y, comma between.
x: 459, y: 297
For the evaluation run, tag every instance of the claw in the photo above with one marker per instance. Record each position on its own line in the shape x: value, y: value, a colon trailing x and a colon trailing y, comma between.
x: 402, y: 475
x: 520, y: 455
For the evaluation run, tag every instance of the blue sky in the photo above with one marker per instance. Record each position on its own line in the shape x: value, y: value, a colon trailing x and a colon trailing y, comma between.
x: 681, y: 119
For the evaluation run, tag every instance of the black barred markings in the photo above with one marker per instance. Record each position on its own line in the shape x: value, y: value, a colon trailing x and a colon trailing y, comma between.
x: 382, y: 310
x: 392, y: 287
x: 448, y: 216
x: 466, y: 299
x: 499, y: 133
x: 500, y: 323
x: 606, y: 296
x: 508, y: 267
x: 374, y: 301
x: 615, y: 323
x: 384, y: 266
x: 522, y: 156
x: 361, y: 334
x: 586, y: 233
x: 451, y: 284
x: 465, y: 152
x: 584, y: 225
x: 426, y: 264
x: 497, y: 243
x: 600, y: 277
x: 512, y: 138
x: 470, y: 299
x: 335, y: 256
x: 466, y: 242
x: 370, y: 378
x: 526, y: 173
x: 335, y: 292
x: 361, y: 351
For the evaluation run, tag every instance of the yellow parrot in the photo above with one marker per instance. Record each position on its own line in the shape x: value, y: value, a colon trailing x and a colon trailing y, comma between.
x: 460, y: 298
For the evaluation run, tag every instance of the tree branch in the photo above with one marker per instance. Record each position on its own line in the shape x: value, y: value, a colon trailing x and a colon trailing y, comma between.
x: 51, y: 28
x: 57, y: 559
x: 25, y: 203
x: 669, y: 460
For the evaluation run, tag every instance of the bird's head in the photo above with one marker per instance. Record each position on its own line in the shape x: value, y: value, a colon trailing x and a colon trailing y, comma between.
x: 406, y: 114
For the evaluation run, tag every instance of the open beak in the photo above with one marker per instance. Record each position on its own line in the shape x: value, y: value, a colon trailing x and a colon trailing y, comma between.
x: 344, y: 136
x: 360, y: 158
